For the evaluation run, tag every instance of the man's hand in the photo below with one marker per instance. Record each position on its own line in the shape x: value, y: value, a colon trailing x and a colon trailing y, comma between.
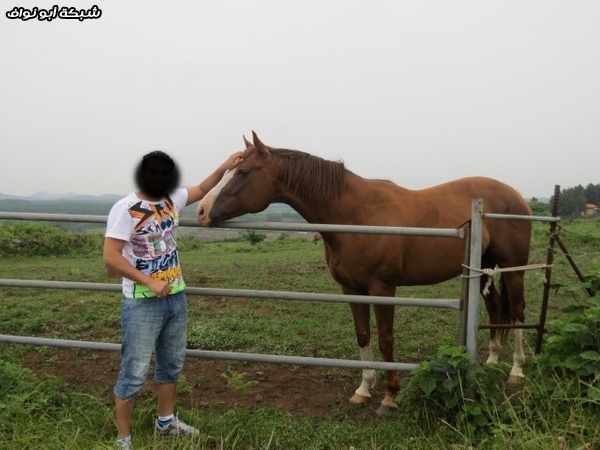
x: 233, y: 161
x: 161, y: 288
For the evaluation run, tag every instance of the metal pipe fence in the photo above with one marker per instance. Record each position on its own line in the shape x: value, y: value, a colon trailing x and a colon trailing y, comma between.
x: 247, y: 293
x: 468, y: 301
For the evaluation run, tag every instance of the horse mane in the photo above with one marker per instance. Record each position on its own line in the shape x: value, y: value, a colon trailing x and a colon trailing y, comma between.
x: 310, y: 176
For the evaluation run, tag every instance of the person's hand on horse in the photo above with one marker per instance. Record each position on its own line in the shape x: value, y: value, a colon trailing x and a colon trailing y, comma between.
x: 233, y: 161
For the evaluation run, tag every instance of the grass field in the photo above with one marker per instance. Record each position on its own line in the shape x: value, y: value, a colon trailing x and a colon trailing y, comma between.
x: 61, y: 399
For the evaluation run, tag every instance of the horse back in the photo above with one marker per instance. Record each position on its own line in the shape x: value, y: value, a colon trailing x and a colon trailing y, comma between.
x: 418, y: 260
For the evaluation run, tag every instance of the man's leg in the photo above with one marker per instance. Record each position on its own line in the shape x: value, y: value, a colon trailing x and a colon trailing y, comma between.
x: 166, y: 398
x: 170, y: 356
x: 141, y: 322
x: 124, y: 412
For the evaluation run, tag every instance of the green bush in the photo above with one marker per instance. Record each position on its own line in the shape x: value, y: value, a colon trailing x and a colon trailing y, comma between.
x: 253, y: 237
x: 41, y: 239
x: 572, y: 348
x: 454, y: 388
x: 540, y: 208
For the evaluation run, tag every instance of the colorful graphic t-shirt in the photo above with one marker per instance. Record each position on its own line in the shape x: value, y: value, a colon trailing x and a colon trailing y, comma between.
x: 149, y: 230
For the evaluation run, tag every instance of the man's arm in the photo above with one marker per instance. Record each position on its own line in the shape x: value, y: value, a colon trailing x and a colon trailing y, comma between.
x: 198, y: 192
x: 118, y: 266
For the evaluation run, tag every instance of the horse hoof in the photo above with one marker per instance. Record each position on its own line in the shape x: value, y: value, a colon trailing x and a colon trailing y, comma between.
x: 359, y: 399
x: 385, y: 410
x: 515, y: 379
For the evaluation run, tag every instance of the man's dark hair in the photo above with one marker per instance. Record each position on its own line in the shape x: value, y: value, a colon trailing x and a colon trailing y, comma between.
x: 159, y: 156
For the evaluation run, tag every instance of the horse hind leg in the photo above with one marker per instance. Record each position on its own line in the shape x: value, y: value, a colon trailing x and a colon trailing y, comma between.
x: 492, y: 303
x: 513, y: 295
x: 516, y: 372
x: 506, y: 308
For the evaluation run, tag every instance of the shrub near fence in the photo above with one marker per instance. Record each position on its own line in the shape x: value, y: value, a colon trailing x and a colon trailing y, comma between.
x: 39, y: 239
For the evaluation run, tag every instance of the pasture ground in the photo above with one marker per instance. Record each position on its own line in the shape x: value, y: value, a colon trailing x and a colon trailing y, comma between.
x: 289, y: 389
x: 225, y: 388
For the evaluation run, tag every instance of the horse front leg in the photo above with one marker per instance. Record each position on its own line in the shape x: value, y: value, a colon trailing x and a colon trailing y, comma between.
x: 385, y: 327
x: 361, y: 316
x: 363, y: 393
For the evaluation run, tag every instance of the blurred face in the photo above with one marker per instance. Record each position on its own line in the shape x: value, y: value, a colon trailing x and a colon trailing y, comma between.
x: 156, y: 178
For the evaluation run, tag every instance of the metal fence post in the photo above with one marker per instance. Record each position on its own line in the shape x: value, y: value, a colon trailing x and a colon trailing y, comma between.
x: 475, y: 233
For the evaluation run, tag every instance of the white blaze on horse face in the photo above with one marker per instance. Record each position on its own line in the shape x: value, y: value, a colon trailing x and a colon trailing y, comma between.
x: 207, y: 201
x: 368, y: 375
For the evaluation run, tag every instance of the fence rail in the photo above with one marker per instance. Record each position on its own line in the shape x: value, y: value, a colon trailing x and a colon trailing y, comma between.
x: 468, y: 302
x: 285, y: 295
x: 228, y: 356
x: 248, y: 293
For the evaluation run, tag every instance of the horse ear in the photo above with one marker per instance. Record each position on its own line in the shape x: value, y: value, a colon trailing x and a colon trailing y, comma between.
x: 260, y: 147
x: 247, y: 142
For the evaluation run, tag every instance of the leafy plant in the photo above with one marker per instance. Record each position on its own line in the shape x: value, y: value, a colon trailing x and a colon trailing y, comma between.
x: 253, y: 237
x: 540, y: 208
x: 236, y: 380
x: 454, y: 388
x: 572, y: 348
x: 40, y: 239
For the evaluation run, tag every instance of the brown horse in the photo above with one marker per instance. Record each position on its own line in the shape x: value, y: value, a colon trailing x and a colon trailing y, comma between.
x: 326, y: 192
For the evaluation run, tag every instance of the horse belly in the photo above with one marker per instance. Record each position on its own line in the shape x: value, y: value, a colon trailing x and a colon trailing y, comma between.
x: 430, y: 260
x: 396, y: 261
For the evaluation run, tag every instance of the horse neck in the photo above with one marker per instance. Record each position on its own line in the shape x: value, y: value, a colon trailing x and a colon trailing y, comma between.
x: 339, y: 211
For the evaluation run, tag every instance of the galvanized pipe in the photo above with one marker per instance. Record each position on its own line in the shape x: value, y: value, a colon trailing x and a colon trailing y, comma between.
x: 238, y: 224
x: 248, y: 293
x: 519, y: 217
x: 476, y: 239
x: 230, y: 356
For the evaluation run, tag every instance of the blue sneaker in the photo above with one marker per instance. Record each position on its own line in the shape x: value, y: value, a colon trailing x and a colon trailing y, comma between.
x: 176, y: 428
x: 121, y: 445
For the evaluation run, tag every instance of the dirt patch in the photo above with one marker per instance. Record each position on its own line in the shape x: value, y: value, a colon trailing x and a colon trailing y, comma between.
x: 216, y: 385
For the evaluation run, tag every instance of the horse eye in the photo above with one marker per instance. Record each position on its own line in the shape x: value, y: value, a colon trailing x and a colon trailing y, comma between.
x: 243, y: 171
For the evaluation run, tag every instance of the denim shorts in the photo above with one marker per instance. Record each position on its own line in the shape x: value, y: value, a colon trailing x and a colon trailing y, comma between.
x: 150, y: 325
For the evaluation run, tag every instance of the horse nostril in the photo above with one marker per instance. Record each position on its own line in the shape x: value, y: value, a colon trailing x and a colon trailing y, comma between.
x: 201, y: 213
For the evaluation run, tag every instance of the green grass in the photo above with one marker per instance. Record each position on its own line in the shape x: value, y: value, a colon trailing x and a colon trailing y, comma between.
x: 46, y: 414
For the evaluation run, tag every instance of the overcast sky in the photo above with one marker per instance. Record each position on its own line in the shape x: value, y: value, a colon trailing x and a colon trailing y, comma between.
x: 418, y: 92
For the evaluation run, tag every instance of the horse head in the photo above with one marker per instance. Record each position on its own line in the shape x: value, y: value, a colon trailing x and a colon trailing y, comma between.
x: 246, y: 189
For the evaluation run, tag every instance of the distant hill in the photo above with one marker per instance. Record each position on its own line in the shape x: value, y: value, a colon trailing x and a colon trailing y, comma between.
x: 70, y: 203
x: 45, y: 196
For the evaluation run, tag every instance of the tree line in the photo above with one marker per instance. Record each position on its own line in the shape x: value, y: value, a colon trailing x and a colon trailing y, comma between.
x: 572, y: 201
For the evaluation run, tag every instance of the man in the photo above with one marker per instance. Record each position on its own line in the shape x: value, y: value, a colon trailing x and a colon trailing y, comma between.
x: 140, y: 246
